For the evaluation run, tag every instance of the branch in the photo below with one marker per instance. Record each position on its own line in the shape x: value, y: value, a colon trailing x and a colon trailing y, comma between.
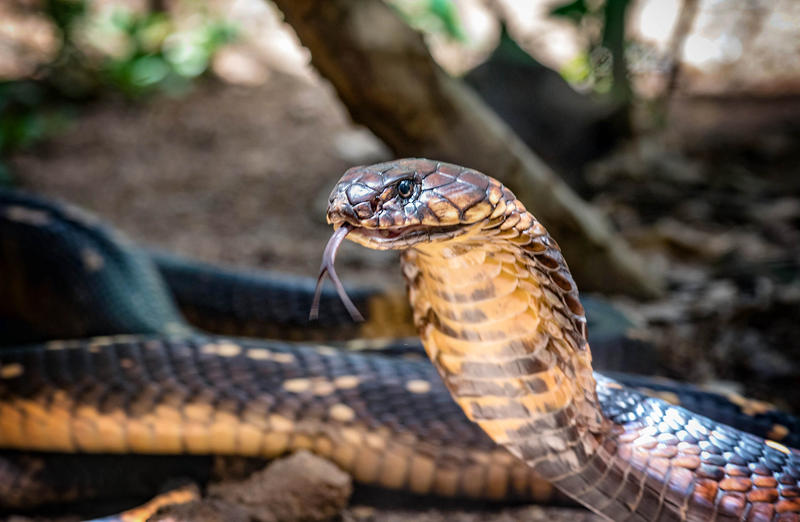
x: 386, y: 77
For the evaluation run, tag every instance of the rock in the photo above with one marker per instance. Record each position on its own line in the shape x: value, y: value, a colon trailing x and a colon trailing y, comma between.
x: 300, y: 487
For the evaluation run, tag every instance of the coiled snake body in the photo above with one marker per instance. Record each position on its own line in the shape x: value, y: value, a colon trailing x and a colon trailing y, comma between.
x: 496, y: 308
x: 499, y: 316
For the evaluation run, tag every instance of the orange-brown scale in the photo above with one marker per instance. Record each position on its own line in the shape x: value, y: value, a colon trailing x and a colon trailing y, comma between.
x: 389, y: 422
x: 499, y: 316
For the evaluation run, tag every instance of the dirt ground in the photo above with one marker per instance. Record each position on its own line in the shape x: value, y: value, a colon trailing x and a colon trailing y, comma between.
x: 226, y: 174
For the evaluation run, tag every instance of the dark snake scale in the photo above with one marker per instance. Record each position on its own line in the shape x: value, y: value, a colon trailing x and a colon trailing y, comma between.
x: 498, y: 314
x: 388, y: 421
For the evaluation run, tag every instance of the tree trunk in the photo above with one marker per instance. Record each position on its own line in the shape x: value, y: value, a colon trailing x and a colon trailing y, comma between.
x: 386, y: 77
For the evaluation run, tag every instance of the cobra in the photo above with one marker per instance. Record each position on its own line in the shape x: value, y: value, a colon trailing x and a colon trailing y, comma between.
x: 498, y: 313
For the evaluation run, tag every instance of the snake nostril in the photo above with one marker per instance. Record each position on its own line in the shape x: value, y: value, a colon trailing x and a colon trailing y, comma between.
x: 364, y: 209
x: 347, y: 211
x: 338, y: 200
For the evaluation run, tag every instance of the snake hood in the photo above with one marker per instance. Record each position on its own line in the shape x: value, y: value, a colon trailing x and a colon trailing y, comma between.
x: 499, y: 316
x: 491, y: 292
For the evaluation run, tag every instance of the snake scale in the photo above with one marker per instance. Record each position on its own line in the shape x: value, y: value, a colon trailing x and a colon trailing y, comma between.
x: 192, y: 393
x: 498, y: 313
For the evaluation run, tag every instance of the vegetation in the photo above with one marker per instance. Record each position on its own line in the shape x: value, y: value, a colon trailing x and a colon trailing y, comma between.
x: 603, y: 66
x: 138, y: 53
x: 432, y: 16
x: 111, y: 51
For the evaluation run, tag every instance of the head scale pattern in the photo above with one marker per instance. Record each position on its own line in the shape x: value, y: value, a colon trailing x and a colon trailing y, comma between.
x: 441, y: 195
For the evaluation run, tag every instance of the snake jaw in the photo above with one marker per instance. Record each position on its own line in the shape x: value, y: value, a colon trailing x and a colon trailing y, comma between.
x: 403, y: 238
x: 386, y: 238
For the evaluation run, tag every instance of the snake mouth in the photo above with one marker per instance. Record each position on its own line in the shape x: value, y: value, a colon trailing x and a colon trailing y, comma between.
x: 400, y: 238
x: 392, y: 238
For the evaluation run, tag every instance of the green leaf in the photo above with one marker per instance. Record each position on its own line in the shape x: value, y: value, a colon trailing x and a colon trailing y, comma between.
x: 447, y: 13
x: 219, y: 34
x: 572, y: 10
x: 123, y: 20
x: 578, y: 70
x: 148, y: 70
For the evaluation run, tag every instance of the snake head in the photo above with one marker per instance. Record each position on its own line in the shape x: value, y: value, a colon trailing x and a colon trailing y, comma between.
x: 398, y: 204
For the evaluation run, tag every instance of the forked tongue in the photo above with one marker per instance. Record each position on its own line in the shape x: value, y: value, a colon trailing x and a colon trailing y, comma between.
x: 328, y: 257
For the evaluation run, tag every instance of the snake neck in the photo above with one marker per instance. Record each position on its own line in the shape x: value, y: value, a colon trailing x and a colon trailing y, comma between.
x: 498, y: 313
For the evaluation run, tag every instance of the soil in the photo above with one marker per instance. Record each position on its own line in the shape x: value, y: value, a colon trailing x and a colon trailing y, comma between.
x: 225, y: 174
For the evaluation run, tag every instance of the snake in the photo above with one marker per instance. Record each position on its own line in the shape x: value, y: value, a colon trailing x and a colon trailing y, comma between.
x: 169, y: 390
x: 499, y: 315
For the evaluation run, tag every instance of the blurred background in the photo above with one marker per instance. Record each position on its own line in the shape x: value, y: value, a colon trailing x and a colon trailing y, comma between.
x: 202, y: 127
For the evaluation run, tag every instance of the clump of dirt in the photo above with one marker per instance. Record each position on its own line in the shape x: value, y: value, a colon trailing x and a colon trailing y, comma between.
x: 300, y: 487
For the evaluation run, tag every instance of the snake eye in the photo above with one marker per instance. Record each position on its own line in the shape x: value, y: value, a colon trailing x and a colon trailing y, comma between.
x: 405, y: 188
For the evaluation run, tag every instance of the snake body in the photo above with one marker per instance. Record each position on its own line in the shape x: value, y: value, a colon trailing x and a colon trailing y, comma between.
x: 498, y: 313
x: 174, y: 391
x: 275, y: 305
x: 388, y: 421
